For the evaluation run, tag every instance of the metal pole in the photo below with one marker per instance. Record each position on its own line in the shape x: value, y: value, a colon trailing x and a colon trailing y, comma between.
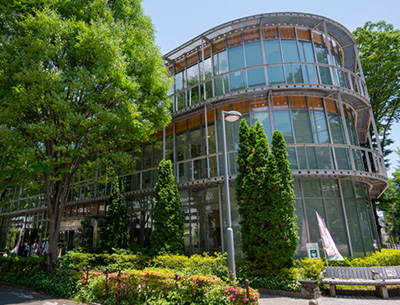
x: 229, y: 230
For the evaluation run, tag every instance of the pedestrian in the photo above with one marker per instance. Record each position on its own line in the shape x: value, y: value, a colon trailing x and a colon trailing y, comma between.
x: 5, y: 254
x: 35, y: 248
x: 26, y: 250
x: 45, y: 247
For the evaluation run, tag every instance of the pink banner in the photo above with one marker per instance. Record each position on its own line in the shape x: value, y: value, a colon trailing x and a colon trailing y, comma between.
x: 332, y: 253
x: 15, y: 250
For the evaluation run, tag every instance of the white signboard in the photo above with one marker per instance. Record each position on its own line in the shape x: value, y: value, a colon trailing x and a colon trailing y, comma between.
x: 313, y: 251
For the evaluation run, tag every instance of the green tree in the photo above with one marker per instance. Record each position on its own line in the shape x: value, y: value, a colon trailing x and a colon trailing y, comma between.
x: 114, y: 232
x: 379, y: 45
x: 268, y: 226
x: 84, y: 236
x: 80, y: 82
x: 286, y: 211
x: 168, y: 218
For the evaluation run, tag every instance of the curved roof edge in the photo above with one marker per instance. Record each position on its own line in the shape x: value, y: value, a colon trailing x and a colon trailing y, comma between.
x: 343, y: 36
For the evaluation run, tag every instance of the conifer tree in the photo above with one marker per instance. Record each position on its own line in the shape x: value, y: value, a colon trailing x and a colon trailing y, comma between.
x: 114, y: 232
x: 168, y: 218
x: 288, y: 219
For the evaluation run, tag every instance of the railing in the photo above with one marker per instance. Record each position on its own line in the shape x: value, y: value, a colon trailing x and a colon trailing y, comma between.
x: 301, y: 156
x: 293, y: 73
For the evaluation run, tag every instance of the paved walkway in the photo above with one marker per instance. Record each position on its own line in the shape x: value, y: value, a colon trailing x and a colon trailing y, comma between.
x: 341, y: 300
x: 12, y: 295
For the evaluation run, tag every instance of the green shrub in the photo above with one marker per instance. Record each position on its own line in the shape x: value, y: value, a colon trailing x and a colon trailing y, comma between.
x: 163, y: 286
x: 15, y: 263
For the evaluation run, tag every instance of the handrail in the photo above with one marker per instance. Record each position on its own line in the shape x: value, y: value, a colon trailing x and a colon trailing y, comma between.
x: 344, y: 79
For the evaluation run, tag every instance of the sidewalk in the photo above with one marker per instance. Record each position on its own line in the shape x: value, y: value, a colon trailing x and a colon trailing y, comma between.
x: 340, y: 300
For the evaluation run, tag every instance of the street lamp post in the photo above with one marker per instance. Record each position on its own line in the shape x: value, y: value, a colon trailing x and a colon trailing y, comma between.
x: 230, y: 116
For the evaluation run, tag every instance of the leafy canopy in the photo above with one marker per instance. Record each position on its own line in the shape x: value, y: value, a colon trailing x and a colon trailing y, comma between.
x: 379, y: 45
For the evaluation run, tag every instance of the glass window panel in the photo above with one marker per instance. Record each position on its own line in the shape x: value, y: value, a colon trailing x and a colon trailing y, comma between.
x: 275, y: 75
x: 220, y: 63
x: 290, y: 51
x: 330, y: 188
x: 312, y: 206
x: 158, y: 151
x: 311, y: 188
x: 273, y: 51
x: 195, y: 143
x: 179, y: 81
x: 292, y: 157
x: 237, y: 80
x: 263, y: 118
x: 306, y: 51
x: 354, y: 228
x: 232, y: 163
x: 325, y: 75
x: 236, y: 58
x: 324, y: 157
x: 336, y: 126
x: 206, y: 66
x: 309, y: 75
x: 342, y: 158
x: 182, y: 146
x: 320, y: 130
x: 358, y: 162
x: 198, y: 169
x: 147, y: 179
x: 302, y: 229
x: 296, y: 188
x: 336, y: 225
x: 192, y: 75
x: 211, y: 138
x: 283, y: 123
x: 289, y: 74
x: 221, y: 85
x: 256, y: 77
x: 253, y: 54
x: 184, y: 171
x: 312, y: 158
x: 347, y: 189
x: 302, y: 157
x: 213, y: 166
x: 302, y: 126
x: 213, y: 222
x: 298, y: 73
x: 169, y: 148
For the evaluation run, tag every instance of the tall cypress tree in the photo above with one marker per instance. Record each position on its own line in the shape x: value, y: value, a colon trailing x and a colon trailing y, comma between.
x: 168, y: 218
x: 114, y: 232
x: 286, y: 206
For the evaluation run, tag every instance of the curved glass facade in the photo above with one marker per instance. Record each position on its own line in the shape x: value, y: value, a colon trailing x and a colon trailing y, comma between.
x: 297, y: 77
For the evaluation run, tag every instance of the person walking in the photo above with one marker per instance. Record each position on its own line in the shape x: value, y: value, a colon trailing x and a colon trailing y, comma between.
x: 35, y: 248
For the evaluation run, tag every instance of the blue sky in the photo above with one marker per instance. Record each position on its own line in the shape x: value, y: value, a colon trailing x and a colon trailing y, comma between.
x: 177, y: 21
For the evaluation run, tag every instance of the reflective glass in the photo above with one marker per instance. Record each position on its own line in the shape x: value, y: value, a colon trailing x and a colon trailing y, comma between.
x: 309, y: 74
x: 169, y: 148
x: 211, y: 138
x: 302, y: 157
x: 312, y: 158
x: 147, y: 156
x: 236, y: 61
x: 312, y: 206
x: 184, y: 174
x: 365, y: 228
x: 292, y: 157
x: 302, y: 229
x: 330, y: 188
x: 283, y: 124
x: 253, y: 54
x: 256, y: 77
x: 354, y: 228
x: 263, y: 118
x: 319, y: 128
x: 158, y: 152
x: 213, y: 220
x: 195, y: 143
x: 336, y: 126
x: 275, y: 75
x: 182, y: 146
x: 311, y: 188
x: 198, y: 169
x: 302, y: 126
x: 273, y: 51
x: 323, y: 157
x: 336, y: 225
x: 306, y: 51
x: 290, y: 52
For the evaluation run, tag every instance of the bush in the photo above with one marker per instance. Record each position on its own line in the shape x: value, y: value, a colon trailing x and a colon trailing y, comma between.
x: 15, y: 263
x: 163, y: 286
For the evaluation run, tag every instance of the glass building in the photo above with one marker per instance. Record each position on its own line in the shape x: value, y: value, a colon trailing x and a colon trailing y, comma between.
x: 294, y: 72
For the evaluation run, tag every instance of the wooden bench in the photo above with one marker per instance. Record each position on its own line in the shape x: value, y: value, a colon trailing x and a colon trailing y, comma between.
x: 380, y: 277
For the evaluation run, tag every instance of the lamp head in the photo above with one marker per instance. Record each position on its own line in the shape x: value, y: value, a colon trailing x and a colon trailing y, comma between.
x: 232, y: 116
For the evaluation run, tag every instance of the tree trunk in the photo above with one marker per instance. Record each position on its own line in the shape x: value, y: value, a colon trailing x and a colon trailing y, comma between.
x: 54, y: 234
